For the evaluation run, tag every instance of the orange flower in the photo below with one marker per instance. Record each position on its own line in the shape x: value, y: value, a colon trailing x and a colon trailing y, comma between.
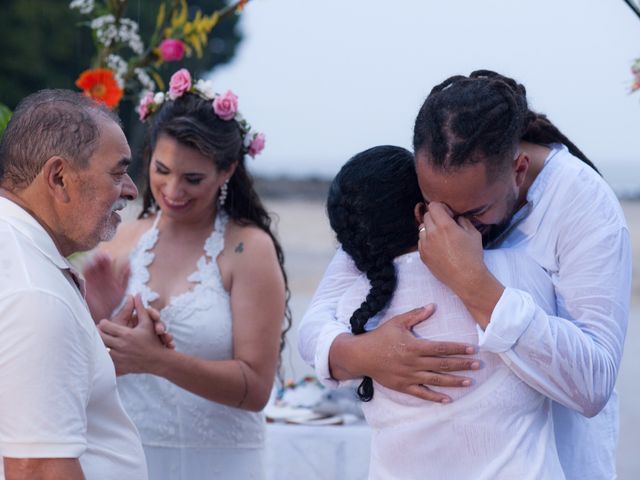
x: 101, y: 85
x: 241, y: 5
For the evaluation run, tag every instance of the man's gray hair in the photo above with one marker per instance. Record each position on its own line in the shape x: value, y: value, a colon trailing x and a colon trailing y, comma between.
x: 45, y: 124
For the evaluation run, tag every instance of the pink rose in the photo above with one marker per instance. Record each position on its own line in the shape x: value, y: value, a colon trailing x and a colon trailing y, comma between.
x: 171, y: 50
x: 225, y: 106
x: 257, y: 144
x: 143, y: 106
x: 180, y: 83
x: 635, y: 70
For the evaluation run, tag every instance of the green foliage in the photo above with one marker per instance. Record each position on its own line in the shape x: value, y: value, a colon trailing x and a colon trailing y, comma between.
x: 5, y: 116
x: 42, y: 47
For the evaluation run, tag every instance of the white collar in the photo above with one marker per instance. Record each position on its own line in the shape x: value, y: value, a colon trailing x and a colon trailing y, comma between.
x: 540, y: 182
x: 21, y: 220
x: 536, y: 189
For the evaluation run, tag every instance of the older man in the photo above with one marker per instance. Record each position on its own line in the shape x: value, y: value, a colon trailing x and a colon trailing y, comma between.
x: 64, y: 164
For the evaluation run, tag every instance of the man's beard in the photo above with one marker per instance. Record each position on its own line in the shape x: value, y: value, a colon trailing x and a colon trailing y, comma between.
x: 492, y: 232
x: 107, y: 229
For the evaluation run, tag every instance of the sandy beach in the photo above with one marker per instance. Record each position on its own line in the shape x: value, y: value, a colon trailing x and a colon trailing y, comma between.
x: 301, y: 224
x: 309, y: 244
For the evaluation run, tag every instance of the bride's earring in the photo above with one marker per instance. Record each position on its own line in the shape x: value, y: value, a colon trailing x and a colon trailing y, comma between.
x: 222, y: 196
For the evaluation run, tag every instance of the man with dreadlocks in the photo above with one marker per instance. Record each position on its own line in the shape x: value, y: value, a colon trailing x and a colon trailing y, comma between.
x: 493, y: 173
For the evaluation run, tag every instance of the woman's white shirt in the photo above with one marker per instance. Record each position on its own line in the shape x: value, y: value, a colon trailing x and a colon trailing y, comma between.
x: 497, y: 428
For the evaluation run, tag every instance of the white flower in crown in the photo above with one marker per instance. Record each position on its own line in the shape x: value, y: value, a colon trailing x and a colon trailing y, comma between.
x: 205, y: 87
x: 159, y: 98
x: 248, y: 138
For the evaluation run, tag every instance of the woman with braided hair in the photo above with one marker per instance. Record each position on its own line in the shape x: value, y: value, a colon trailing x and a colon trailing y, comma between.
x: 494, y: 173
x: 370, y: 206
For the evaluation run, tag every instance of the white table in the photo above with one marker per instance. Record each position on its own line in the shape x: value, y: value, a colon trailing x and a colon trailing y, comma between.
x: 317, y: 452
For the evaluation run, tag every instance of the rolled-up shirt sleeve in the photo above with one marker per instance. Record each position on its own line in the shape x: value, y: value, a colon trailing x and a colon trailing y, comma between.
x: 46, y: 364
x: 319, y: 326
x: 573, y: 357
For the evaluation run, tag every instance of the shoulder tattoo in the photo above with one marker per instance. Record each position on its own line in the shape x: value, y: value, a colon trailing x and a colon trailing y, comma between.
x: 239, y: 248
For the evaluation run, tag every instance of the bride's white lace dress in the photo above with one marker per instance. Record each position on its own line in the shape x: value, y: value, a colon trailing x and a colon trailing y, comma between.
x: 187, y: 437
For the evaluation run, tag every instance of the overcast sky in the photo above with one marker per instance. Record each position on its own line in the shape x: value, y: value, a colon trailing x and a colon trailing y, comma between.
x: 325, y: 79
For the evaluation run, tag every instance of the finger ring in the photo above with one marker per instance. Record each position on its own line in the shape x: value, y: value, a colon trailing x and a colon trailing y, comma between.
x: 422, y: 229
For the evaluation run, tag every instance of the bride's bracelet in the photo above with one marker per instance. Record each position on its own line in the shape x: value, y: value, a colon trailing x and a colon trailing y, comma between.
x: 246, y: 385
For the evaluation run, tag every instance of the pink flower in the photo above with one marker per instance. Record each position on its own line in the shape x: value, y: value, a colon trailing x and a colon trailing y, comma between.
x: 225, y: 106
x: 257, y: 144
x: 180, y: 83
x: 143, y: 106
x: 635, y: 70
x: 171, y: 50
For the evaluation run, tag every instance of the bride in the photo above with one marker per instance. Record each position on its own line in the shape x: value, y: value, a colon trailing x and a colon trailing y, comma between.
x: 202, y: 254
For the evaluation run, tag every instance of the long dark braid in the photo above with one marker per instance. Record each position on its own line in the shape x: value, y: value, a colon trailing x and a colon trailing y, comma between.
x: 482, y: 117
x: 191, y: 121
x: 370, y: 207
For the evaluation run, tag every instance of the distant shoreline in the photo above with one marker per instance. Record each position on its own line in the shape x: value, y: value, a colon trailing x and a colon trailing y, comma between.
x: 316, y: 188
x: 282, y: 188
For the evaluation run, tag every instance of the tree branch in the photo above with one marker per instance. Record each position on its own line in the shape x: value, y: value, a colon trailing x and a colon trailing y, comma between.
x: 632, y: 5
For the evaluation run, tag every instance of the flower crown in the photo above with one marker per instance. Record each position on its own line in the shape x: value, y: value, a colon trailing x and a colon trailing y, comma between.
x: 224, y: 106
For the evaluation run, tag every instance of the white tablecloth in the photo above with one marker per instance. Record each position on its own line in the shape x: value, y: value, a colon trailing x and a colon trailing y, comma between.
x: 317, y: 452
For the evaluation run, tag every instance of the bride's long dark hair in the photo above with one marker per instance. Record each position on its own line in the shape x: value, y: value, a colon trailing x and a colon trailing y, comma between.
x: 190, y: 120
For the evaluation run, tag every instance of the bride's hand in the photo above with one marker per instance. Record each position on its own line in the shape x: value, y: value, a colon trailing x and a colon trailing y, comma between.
x: 160, y: 328
x: 133, y: 350
x: 127, y: 316
x: 105, y: 285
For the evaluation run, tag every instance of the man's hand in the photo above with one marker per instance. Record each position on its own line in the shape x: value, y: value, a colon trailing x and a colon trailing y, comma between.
x: 452, y: 250
x: 105, y: 285
x: 42, y: 469
x: 133, y: 350
x: 395, y: 358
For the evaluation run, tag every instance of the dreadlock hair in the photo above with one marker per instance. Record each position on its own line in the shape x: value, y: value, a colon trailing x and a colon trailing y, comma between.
x: 482, y: 117
x: 370, y: 206
x: 191, y: 121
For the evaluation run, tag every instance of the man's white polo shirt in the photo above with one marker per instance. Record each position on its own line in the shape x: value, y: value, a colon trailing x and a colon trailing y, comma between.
x: 58, y: 396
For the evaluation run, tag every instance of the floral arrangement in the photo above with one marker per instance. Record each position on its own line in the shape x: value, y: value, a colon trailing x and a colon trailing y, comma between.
x: 635, y: 68
x: 290, y: 385
x: 225, y: 106
x: 123, y: 64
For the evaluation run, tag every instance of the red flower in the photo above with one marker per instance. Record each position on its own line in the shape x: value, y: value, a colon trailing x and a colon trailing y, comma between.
x: 171, y: 50
x: 101, y: 85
